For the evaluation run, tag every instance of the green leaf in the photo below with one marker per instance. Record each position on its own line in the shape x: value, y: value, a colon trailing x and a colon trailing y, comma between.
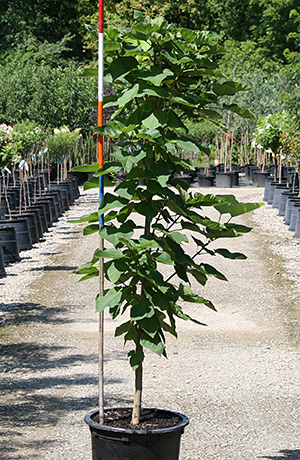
x: 113, y: 273
x: 123, y: 328
x: 108, y: 131
x: 152, y: 343
x: 234, y: 208
x: 111, y: 46
x: 88, y: 73
x: 198, y: 275
x: 229, y: 88
x: 128, y: 95
x: 114, y: 234
x: 164, y: 258
x: 180, y: 314
x: 153, y: 91
x: 136, y: 358
x: 111, y: 201
x: 91, y: 229
x: 188, y: 295
x: 175, y: 122
x: 142, y: 310
x: 154, y: 77
x: 91, y: 183
x: 175, y: 236
x: 230, y: 255
x: 146, y: 210
x: 212, y: 271
x: 126, y: 189
x: 240, y: 111
x: 158, y: 118
x: 93, y: 217
x: 128, y: 160
x: 186, y: 145
x: 86, y: 168
x: 109, y: 253
x: 113, y: 297
x: 121, y: 66
x: 110, y: 167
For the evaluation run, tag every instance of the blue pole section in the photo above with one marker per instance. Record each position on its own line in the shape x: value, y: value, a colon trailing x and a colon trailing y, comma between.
x: 101, y: 195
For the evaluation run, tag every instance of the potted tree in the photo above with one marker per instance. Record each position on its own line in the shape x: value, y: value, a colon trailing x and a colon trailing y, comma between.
x: 161, y: 74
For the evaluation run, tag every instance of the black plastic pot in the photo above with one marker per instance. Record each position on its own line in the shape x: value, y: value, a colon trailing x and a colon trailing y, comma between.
x: 259, y: 178
x: 253, y: 170
x: 205, y: 181
x: 288, y: 209
x: 31, y: 219
x: 294, y: 215
x: 3, y: 206
x: 43, y: 219
x: 188, y: 179
x: 271, y: 192
x: 75, y: 188
x: 224, y: 180
x: 268, y: 182
x: 47, y: 206
x: 64, y: 195
x: 9, y: 244
x: 57, y: 195
x: 278, y: 190
x: 22, y: 231
x: 283, y: 200
x: 39, y: 227
x: 109, y: 443
x: 53, y: 205
x: 235, y: 178
x: 297, y: 227
x: 2, y: 269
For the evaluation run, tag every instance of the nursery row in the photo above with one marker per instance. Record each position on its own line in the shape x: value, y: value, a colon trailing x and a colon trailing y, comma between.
x: 218, y: 176
x: 28, y: 208
x: 286, y: 198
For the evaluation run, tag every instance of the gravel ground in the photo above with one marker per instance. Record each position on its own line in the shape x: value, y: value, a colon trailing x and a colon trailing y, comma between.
x: 237, y: 380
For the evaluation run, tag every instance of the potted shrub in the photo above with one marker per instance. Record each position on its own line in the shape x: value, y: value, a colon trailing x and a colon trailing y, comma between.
x: 161, y: 75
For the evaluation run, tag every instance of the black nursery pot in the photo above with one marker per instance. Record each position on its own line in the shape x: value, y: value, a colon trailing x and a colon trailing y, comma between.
x: 110, y: 443
x: 22, y: 230
x: 32, y: 223
x: 2, y: 269
x: 205, y: 181
x: 9, y: 244
x: 224, y: 180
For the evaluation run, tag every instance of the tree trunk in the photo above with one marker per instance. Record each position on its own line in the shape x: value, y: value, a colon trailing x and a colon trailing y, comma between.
x: 137, y: 403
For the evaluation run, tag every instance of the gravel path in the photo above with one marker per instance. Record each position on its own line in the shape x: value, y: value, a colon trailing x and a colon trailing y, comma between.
x: 237, y: 380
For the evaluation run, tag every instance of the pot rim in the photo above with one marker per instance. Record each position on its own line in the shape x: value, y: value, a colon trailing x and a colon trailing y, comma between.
x: 156, y: 431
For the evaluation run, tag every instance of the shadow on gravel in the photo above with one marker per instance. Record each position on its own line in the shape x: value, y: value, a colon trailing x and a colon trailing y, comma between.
x: 29, y: 356
x: 28, y: 312
x: 54, y: 268
x: 286, y: 454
